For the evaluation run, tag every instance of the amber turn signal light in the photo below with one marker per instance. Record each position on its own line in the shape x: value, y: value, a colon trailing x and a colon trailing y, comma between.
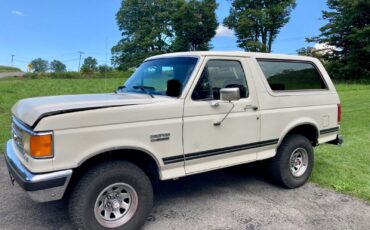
x: 41, y: 146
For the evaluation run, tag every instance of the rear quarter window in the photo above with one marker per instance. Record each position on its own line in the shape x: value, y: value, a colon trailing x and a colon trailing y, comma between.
x: 291, y: 75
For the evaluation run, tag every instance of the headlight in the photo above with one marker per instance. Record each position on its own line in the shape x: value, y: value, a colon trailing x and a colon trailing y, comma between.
x: 38, y: 146
x: 35, y: 144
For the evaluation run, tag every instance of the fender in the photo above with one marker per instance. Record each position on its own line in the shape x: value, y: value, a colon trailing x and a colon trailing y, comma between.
x: 296, y: 123
x: 94, y: 154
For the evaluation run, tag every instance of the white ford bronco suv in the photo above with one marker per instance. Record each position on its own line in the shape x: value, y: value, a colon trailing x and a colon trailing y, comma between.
x: 179, y: 114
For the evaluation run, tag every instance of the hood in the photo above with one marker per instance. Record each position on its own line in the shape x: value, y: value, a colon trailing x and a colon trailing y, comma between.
x: 32, y: 110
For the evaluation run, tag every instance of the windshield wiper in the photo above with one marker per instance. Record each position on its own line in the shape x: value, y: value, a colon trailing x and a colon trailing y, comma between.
x: 144, y: 89
x: 119, y: 88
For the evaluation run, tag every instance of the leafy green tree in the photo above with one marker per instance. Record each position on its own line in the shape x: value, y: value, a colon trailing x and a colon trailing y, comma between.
x: 194, y: 24
x: 105, y: 69
x: 146, y: 31
x: 57, y: 66
x: 89, y: 66
x: 39, y: 65
x: 257, y: 22
x: 348, y: 32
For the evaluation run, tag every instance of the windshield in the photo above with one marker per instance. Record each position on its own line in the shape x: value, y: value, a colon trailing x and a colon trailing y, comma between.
x: 164, y: 76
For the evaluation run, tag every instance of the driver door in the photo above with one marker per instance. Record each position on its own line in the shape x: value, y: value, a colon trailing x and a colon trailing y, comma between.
x: 207, y: 145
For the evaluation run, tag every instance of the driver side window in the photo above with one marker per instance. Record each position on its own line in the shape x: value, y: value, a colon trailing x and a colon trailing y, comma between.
x: 218, y: 74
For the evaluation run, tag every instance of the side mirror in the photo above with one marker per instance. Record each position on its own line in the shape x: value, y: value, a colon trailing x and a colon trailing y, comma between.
x: 230, y: 94
x: 173, y: 88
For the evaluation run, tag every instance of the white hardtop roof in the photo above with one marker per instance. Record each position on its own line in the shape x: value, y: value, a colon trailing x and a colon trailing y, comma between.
x: 233, y: 54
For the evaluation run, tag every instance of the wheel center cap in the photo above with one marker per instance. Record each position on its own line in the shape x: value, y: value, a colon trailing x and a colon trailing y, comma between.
x: 115, y: 204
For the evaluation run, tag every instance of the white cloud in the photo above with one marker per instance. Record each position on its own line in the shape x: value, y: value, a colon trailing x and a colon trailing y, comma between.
x: 324, y: 48
x: 17, y: 13
x: 223, y: 31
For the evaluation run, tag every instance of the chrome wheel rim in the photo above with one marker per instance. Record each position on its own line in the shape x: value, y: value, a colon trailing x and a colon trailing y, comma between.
x: 116, y: 205
x: 298, y: 162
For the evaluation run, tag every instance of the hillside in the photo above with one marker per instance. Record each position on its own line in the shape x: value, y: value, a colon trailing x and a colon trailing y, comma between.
x: 8, y: 69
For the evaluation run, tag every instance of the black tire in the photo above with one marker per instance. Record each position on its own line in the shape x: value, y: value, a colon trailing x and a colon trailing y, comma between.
x: 280, y: 167
x: 84, y: 195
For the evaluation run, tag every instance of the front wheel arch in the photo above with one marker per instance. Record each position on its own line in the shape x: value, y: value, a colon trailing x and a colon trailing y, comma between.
x: 90, y: 185
x: 141, y: 158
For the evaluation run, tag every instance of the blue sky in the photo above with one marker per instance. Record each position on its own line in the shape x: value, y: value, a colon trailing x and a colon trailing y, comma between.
x: 54, y: 29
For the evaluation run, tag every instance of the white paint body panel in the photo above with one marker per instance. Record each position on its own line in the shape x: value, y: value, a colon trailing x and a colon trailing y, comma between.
x: 200, y: 133
x: 30, y: 110
x: 129, y: 120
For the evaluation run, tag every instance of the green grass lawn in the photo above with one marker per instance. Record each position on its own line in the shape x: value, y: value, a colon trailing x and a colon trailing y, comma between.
x: 7, y: 69
x: 345, y: 169
x: 14, y: 89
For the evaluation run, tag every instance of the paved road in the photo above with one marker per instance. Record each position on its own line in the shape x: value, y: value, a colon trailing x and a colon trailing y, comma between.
x: 234, y: 198
x: 11, y: 74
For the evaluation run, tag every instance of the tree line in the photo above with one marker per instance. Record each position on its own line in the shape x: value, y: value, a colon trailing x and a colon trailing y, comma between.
x: 151, y: 27
x: 89, y: 66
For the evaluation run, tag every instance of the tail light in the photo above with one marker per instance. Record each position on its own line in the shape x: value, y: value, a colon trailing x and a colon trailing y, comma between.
x: 339, y: 113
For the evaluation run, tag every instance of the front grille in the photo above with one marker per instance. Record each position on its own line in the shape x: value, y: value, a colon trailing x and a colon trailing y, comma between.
x: 17, y: 134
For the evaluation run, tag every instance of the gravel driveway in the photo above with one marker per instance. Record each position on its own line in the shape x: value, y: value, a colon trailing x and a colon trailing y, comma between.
x: 233, y: 198
x: 11, y: 74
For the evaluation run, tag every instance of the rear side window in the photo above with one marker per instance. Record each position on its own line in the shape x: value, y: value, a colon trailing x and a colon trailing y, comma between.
x: 291, y: 75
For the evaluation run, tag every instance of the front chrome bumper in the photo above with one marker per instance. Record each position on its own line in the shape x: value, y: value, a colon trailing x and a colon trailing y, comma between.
x: 41, y: 187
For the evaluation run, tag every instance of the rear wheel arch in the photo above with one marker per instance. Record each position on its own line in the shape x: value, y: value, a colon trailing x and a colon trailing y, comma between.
x: 308, y: 130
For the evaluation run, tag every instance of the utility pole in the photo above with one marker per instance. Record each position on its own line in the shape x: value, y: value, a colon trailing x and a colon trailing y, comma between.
x: 12, y: 58
x: 79, y: 62
x: 106, y: 62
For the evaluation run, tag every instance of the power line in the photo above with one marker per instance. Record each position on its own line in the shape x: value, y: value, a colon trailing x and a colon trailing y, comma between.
x: 70, y: 60
x: 23, y: 57
x: 66, y: 55
x: 95, y: 53
x: 17, y: 60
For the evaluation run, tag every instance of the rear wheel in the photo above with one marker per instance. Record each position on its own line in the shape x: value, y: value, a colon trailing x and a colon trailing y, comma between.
x: 113, y: 195
x: 293, y: 163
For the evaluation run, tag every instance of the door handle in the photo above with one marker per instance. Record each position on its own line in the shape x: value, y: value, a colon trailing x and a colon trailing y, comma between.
x: 253, y: 107
x: 215, y: 104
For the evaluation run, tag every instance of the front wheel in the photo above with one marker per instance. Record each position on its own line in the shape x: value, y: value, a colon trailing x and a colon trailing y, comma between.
x: 293, y: 163
x: 112, y: 195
